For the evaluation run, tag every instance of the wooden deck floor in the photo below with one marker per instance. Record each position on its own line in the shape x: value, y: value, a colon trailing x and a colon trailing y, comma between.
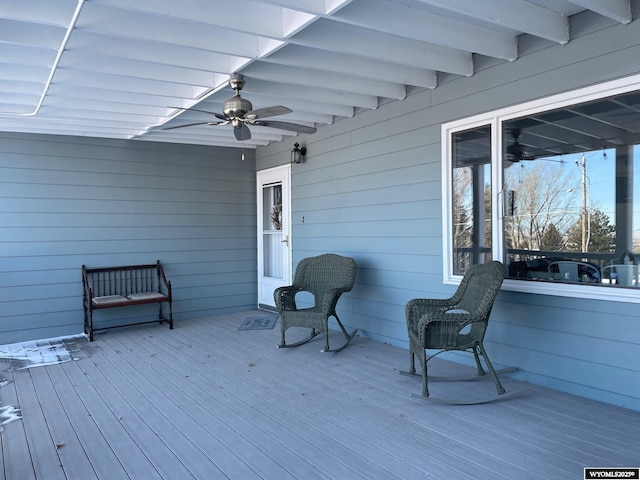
x: 207, y: 401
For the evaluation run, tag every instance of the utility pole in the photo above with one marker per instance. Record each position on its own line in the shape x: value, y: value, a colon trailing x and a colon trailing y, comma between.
x: 584, y: 217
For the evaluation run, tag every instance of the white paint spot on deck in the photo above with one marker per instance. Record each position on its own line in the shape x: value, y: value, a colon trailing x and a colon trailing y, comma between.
x: 9, y: 414
x: 35, y: 354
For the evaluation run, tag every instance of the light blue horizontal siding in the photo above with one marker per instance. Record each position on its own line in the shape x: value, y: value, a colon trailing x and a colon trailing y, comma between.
x: 65, y: 202
x: 370, y: 188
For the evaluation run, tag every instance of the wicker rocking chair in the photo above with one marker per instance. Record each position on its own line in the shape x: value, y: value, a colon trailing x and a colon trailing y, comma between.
x: 327, y: 277
x: 439, y: 323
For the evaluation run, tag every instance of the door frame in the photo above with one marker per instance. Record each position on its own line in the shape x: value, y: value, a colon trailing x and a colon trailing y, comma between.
x: 266, y: 285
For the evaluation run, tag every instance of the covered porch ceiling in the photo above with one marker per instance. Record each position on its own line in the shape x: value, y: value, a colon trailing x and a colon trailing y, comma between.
x: 129, y: 70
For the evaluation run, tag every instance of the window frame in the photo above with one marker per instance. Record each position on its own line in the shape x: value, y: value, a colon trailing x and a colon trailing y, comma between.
x: 495, y: 119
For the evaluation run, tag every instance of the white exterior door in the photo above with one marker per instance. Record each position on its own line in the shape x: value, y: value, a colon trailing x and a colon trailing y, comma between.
x: 274, y: 232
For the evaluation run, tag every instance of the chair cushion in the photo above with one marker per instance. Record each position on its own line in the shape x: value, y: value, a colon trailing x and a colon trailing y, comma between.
x: 146, y: 296
x: 109, y: 299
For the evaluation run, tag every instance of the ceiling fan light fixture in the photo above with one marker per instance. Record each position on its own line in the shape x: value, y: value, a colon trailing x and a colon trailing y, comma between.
x: 515, y: 151
x: 236, y: 106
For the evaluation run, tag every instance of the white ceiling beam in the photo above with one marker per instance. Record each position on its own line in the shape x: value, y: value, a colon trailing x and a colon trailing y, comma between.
x: 115, y: 106
x: 294, y: 103
x: 116, y: 23
x: 50, y: 128
x: 329, y: 97
x: 213, y: 141
x: 383, y: 16
x: 68, y: 123
x: 338, y: 37
x: 44, y: 12
x: 30, y: 34
x: 519, y: 15
x: 618, y: 10
x: 21, y: 87
x: 305, y: 118
x: 26, y: 55
x: 256, y: 18
x: 117, y: 83
x: 65, y: 114
x: 107, y: 96
x: 315, y: 7
x: 302, y: 106
x: 98, y: 44
x: 296, y: 55
x: 138, y: 69
x: 18, y: 99
x: 223, y: 132
x: 12, y: 108
x: 196, y: 141
x: 343, y: 82
x: 22, y: 72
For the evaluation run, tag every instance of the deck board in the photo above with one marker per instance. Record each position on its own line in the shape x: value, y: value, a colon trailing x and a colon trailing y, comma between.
x: 43, y: 453
x: 194, y: 405
x: 297, y: 425
x: 63, y: 439
x: 383, y: 440
x: 129, y: 454
x: 105, y: 465
x: 268, y: 420
x: 206, y: 401
x: 15, y: 448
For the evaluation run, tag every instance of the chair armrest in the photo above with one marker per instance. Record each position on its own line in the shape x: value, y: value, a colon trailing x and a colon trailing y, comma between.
x: 418, y: 307
x: 441, y: 328
x: 330, y: 299
x: 285, y: 297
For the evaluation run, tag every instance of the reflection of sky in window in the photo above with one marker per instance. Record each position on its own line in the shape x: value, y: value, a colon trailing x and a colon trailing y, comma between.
x: 601, y: 181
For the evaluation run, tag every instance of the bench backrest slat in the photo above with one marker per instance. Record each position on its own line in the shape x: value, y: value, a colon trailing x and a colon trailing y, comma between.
x: 124, y: 280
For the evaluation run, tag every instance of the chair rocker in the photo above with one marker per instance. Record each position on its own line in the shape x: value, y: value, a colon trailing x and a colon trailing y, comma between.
x: 327, y: 277
x: 456, y: 323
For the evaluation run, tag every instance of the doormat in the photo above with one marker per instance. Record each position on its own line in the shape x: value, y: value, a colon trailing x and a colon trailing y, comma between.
x: 258, y: 323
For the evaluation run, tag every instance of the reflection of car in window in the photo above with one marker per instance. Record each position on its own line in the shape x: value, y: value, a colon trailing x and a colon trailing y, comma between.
x: 555, y: 268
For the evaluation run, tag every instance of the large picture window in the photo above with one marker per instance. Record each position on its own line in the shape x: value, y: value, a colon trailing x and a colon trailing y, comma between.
x: 551, y: 189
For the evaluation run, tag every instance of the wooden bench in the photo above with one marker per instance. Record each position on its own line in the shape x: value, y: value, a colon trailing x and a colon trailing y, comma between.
x: 111, y: 287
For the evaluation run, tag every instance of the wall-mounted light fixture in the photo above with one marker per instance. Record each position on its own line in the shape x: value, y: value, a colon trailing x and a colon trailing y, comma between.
x: 297, y: 154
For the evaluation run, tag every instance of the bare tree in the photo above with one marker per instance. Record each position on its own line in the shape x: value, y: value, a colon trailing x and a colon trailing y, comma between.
x: 462, y: 206
x: 544, y: 194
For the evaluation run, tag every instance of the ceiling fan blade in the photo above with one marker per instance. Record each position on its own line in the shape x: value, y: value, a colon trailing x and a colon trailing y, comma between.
x: 217, y: 115
x: 294, y: 127
x: 196, y: 123
x: 268, y: 112
x: 242, y: 132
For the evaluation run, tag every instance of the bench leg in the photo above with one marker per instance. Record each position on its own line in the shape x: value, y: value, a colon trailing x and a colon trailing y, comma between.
x: 90, y: 325
x: 86, y: 318
x: 170, y: 319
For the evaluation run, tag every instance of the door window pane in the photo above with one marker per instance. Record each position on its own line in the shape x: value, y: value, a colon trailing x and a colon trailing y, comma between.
x: 272, y: 231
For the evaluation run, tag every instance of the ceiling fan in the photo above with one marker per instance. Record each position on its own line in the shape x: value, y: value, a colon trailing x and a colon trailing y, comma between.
x: 239, y: 112
x: 515, y: 151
